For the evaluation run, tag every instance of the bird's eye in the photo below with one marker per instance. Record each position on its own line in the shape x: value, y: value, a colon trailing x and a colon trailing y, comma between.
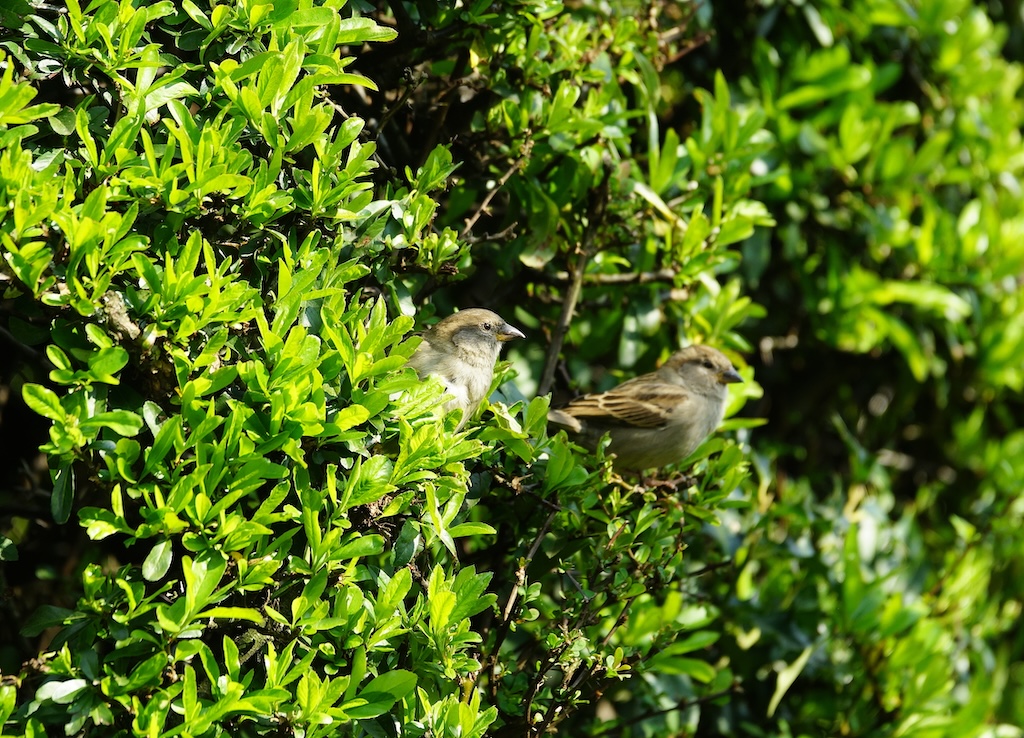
x: 487, y: 326
x: 707, y: 364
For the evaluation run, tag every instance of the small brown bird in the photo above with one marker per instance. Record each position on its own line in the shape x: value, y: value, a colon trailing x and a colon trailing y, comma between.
x: 658, y: 418
x: 461, y: 351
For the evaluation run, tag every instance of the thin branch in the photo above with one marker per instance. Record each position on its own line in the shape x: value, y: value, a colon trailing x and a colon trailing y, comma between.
x: 406, y: 25
x: 662, y: 275
x: 595, y: 216
x: 524, y: 153
x: 389, y: 111
x: 504, y: 234
x: 506, y: 615
x: 542, y: 673
x: 681, y: 705
x: 618, y: 621
x: 507, y: 611
x: 710, y: 568
x: 558, y: 337
x: 557, y: 710
x: 376, y: 157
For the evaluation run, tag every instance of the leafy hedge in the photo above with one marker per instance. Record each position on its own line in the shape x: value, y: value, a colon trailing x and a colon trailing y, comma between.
x: 221, y: 225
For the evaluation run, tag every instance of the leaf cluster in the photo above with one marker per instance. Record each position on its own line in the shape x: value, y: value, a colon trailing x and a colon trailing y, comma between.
x: 221, y: 226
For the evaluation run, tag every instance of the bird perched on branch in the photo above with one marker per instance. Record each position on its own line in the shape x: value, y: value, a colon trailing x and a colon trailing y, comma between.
x: 461, y: 351
x: 658, y: 418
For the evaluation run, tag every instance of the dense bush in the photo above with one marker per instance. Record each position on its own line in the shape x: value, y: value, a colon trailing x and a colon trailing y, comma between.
x: 222, y: 225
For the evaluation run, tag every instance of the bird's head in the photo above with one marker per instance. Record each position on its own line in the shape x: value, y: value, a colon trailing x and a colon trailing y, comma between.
x: 702, y: 368
x: 476, y: 331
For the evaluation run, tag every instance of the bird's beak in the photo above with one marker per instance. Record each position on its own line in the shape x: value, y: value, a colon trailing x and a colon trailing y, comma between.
x: 507, y: 332
x: 730, y: 376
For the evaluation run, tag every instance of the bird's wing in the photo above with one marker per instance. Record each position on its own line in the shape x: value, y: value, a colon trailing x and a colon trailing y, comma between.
x: 631, y: 404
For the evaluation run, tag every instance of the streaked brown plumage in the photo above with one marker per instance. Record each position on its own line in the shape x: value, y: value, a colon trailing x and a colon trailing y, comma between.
x: 461, y: 351
x: 658, y: 418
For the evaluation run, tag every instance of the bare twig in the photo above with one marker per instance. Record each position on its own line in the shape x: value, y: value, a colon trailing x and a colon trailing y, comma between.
x: 662, y: 275
x: 507, y: 611
x: 415, y: 80
x: 680, y: 705
x: 710, y: 568
x: 345, y: 116
x: 618, y: 621
x: 595, y: 216
x: 524, y: 154
x: 503, y: 235
x: 701, y: 39
x: 572, y: 296
x: 506, y: 614
x: 406, y: 25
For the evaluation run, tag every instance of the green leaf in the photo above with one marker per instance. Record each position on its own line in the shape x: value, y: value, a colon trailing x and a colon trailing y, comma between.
x: 349, y: 417
x: 122, y: 422
x: 146, y: 675
x: 927, y: 296
x: 158, y: 561
x: 693, y: 642
x: 8, y: 700
x: 786, y: 678
x: 233, y: 613
x: 699, y: 670
x: 167, y: 437
x: 469, y: 588
x: 60, y: 691
x: 47, y: 616
x: 43, y: 401
x: 307, y: 18
x: 360, y: 546
x: 105, y: 363
x: 471, y: 529
x: 381, y: 694
x: 392, y: 594
x: 368, y: 482
x: 63, y: 497
x: 363, y: 30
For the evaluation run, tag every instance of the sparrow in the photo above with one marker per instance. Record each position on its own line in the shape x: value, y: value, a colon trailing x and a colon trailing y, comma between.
x: 461, y: 351
x: 658, y: 418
